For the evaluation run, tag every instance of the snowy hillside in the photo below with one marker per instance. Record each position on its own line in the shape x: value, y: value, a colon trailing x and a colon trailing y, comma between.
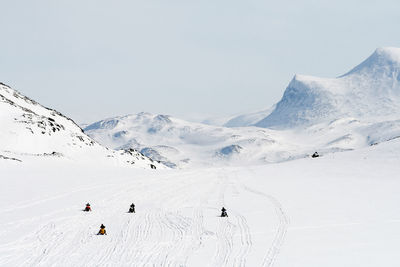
x: 31, y: 131
x: 178, y: 143
x: 370, y: 91
x: 248, y: 119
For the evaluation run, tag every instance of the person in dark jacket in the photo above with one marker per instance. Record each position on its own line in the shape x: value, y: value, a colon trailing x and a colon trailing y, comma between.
x: 223, y: 212
x: 315, y: 155
x: 88, y: 208
x: 132, y: 208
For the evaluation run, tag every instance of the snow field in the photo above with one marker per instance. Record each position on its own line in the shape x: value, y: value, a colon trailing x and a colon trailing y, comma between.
x: 338, y: 210
x: 176, y: 224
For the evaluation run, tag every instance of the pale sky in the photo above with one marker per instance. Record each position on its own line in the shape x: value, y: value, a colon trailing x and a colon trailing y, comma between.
x: 96, y: 59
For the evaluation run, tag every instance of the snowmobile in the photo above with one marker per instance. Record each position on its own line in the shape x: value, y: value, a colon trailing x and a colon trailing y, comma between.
x: 87, y: 208
x: 132, y: 208
x: 315, y: 155
x: 102, y: 230
x: 223, y: 212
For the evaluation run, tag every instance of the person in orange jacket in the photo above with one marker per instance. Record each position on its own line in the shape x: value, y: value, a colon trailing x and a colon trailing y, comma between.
x: 102, y: 230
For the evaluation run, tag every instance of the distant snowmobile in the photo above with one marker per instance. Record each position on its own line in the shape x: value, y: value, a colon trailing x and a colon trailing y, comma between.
x: 132, y: 208
x: 87, y: 208
x: 315, y: 155
x: 102, y: 230
x: 223, y: 212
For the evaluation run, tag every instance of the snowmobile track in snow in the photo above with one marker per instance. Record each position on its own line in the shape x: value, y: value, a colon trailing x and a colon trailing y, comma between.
x: 279, y: 238
x: 245, y: 238
x: 226, y: 231
x: 175, y: 222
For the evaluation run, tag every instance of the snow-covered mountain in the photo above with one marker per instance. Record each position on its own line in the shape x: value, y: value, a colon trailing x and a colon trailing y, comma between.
x: 29, y: 130
x: 179, y: 143
x: 356, y: 110
x: 370, y: 91
x: 176, y: 142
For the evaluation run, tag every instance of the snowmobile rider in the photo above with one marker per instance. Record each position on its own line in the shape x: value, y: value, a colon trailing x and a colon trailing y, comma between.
x: 132, y: 208
x: 88, y: 208
x: 315, y: 155
x: 223, y: 212
x: 102, y: 230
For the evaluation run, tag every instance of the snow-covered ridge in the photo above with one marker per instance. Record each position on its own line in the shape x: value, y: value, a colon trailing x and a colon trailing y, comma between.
x: 386, y: 59
x: 248, y: 119
x: 370, y: 90
x: 13, y: 96
x: 32, y: 130
x: 177, y: 143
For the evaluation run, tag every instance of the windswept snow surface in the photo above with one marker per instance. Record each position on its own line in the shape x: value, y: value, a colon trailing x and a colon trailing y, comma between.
x: 338, y: 210
x: 29, y: 130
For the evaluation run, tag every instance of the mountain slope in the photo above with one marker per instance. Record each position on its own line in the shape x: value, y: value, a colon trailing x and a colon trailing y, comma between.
x: 177, y: 142
x: 248, y: 119
x: 30, y: 130
x: 371, y: 90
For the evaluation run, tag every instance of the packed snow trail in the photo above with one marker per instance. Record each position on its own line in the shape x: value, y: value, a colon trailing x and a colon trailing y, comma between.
x: 176, y: 222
